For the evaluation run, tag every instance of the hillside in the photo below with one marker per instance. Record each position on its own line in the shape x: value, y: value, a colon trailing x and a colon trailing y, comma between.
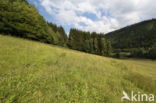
x: 138, y: 39
x: 33, y: 72
x: 142, y: 34
x: 21, y: 19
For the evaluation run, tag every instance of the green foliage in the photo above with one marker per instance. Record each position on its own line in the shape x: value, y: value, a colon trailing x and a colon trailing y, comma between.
x: 60, y: 37
x: 141, y: 35
x: 22, y: 20
x: 152, y: 52
x: 138, y: 52
x: 89, y: 42
x: 18, y: 18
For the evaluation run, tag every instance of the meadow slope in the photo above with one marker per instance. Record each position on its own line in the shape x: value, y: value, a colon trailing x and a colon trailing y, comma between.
x: 32, y: 72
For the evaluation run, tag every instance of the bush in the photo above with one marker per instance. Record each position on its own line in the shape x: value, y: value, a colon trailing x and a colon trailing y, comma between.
x: 152, y: 52
x: 138, y: 52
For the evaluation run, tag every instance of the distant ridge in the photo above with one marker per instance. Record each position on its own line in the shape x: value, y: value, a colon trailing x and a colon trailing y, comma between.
x: 142, y: 34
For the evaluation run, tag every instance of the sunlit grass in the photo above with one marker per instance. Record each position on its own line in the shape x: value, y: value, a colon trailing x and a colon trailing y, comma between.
x: 32, y: 72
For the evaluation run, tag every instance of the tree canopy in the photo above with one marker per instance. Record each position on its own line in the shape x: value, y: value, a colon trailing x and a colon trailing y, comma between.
x: 89, y: 42
x: 138, y: 39
x: 19, y: 18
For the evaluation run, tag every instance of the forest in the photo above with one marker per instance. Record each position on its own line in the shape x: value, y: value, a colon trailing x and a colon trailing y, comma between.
x: 137, y: 40
x: 21, y: 19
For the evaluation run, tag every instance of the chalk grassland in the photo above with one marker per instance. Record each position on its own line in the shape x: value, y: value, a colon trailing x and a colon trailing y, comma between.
x: 32, y: 72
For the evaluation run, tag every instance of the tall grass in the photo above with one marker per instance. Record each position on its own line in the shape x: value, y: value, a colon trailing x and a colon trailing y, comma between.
x: 32, y: 72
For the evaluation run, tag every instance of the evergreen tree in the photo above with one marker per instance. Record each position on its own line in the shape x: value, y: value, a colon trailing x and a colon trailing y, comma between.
x: 89, y: 42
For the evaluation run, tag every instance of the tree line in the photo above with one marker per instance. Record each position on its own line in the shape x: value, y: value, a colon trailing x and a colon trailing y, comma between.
x: 19, y: 18
x: 138, y: 40
x: 95, y: 43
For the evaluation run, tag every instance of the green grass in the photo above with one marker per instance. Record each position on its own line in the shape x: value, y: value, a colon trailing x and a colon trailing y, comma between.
x: 32, y: 72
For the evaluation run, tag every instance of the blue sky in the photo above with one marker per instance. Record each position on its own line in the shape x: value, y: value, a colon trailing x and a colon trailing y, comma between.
x: 95, y: 15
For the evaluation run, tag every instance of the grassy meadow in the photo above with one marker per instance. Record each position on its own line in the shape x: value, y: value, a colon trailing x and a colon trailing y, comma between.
x: 33, y: 72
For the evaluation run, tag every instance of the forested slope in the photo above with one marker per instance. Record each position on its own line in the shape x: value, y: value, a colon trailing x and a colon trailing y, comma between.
x: 19, y: 18
x: 139, y: 39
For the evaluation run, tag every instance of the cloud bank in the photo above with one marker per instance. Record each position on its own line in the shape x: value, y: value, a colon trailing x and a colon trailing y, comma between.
x: 99, y: 15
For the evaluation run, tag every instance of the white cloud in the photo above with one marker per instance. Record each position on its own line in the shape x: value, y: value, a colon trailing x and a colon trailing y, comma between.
x: 119, y: 12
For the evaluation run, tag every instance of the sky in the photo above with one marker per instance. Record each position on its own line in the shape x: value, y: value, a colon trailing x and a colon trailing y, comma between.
x: 101, y: 16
